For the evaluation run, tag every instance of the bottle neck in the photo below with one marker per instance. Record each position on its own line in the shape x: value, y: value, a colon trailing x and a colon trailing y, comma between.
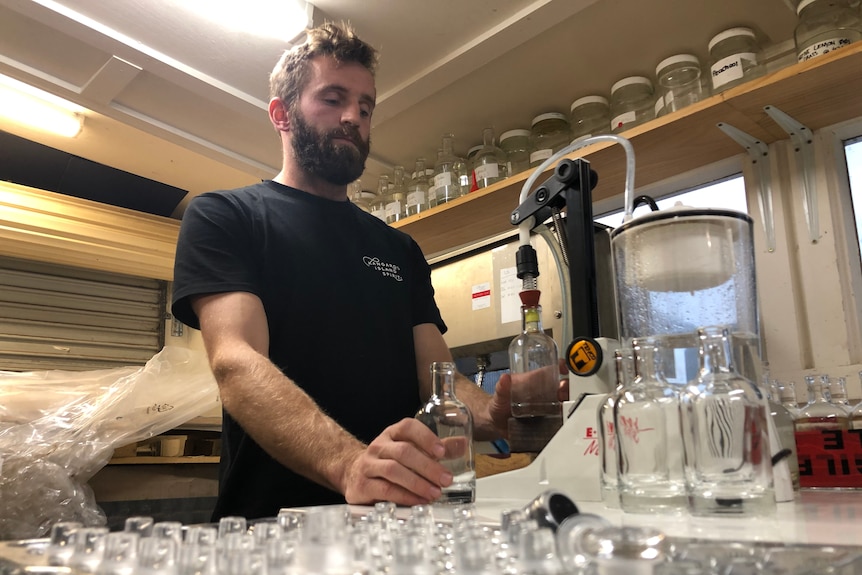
x: 646, y: 362
x: 531, y: 319
x: 443, y: 379
x: 714, y: 352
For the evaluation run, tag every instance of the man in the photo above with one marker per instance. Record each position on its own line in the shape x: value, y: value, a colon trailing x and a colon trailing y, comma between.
x: 319, y: 320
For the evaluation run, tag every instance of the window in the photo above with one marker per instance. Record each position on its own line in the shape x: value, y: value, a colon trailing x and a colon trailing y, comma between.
x: 728, y: 193
x: 853, y: 152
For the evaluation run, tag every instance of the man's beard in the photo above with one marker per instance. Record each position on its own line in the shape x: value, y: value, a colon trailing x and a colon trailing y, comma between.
x: 316, y: 153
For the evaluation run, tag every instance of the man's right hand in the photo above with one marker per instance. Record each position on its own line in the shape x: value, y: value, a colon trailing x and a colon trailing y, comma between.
x: 401, y: 465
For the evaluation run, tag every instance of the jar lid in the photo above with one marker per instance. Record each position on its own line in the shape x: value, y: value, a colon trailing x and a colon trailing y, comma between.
x: 670, y: 61
x: 473, y: 150
x: 631, y: 80
x: 589, y: 100
x: 549, y: 116
x: 514, y: 134
x: 802, y: 5
x: 731, y: 33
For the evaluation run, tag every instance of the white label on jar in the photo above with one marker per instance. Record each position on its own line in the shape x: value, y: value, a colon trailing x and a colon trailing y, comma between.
x: 379, y: 213
x: 393, y: 209
x: 415, y: 198
x: 730, y: 68
x: 464, y: 181
x: 822, y: 47
x: 487, y: 171
x: 541, y: 155
x: 660, y: 103
x: 623, y: 119
x: 443, y: 179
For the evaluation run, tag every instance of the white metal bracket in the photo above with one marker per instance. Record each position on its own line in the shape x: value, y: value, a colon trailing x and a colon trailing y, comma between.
x: 759, y: 154
x: 803, y: 145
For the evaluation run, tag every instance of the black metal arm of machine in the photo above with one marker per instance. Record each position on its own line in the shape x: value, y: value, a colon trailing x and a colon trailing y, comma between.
x: 570, y: 186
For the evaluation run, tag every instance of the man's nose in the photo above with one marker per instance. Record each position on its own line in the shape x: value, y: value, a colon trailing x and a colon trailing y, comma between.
x: 352, y: 114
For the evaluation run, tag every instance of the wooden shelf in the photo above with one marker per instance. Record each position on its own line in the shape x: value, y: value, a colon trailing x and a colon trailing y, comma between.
x: 818, y: 93
x: 151, y: 460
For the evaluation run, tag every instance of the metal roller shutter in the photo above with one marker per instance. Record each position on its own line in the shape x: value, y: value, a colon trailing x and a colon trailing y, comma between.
x: 57, y: 317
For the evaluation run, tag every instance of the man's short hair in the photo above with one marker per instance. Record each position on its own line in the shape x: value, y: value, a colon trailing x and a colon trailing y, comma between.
x: 340, y: 42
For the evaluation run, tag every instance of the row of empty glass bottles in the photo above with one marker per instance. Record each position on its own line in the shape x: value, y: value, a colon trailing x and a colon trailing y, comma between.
x: 828, y: 405
x: 702, y: 447
x: 331, y: 541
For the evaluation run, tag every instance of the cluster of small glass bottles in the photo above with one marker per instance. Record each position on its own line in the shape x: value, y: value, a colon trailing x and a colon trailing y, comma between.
x: 828, y: 406
x: 421, y: 540
x: 703, y: 447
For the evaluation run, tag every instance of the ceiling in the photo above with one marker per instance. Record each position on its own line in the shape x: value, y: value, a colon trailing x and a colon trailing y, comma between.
x: 175, y: 99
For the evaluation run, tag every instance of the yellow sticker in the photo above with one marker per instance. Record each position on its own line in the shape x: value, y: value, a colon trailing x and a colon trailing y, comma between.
x: 584, y: 356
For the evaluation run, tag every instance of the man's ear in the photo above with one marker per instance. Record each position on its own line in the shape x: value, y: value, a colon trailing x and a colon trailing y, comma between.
x: 278, y: 115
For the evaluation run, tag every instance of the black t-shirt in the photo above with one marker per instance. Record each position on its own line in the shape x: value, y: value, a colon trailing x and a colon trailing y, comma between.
x: 341, y: 290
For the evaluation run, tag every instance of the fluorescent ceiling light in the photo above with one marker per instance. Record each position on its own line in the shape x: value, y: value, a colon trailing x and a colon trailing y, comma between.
x: 285, y: 20
x: 27, y: 106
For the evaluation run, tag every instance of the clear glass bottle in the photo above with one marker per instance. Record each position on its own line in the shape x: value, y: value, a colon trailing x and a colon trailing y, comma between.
x: 378, y: 202
x: 534, y: 352
x: 549, y: 133
x: 646, y: 418
x: 837, y: 389
x: 819, y: 413
x: 784, y: 424
x: 447, y: 185
x: 824, y: 26
x: 360, y: 197
x: 728, y: 464
x: 609, y: 473
x: 786, y: 393
x: 590, y: 116
x: 734, y: 58
x: 856, y: 416
x: 450, y: 419
x: 417, y: 190
x: 679, y: 81
x: 516, y: 144
x: 489, y: 163
x: 396, y: 199
x: 632, y: 103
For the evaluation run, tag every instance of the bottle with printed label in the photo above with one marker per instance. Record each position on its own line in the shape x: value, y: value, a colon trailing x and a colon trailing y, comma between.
x: 734, y: 58
x: 632, y: 103
x: 449, y: 418
x: 549, y: 134
x: 447, y: 185
x: 417, y: 189
x: 516, y: 144
x: 489, y: 163
x: 378, y: 203
x: 646, y: 421
x: 824, y: 26
x: 396, y: 200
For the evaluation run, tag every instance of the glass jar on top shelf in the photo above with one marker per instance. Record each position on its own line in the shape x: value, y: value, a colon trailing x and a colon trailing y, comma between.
x: 826, y: 25
x: 446, y: 183
x: 632, y: 103
x: 679, y: 81
x: 417, y: 189
x: 549, y: 133
x: 489, y: 163
x: 516, y: 144
x: 734, y: 58
x: 590, y: 116
x: 378, y: 202
x: 361, y: 198
x: 396, y: 199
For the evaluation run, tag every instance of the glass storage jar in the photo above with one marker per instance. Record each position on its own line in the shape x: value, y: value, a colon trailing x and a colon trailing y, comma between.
x: 549, y: 133
x: 590, y: 116
x: 516, y: 144
x: 734, y: 57
x: 679, y: 80
x: 632, y: 103
x: 825, y: 25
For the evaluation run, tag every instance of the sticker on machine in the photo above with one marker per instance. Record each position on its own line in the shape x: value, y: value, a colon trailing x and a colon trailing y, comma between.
x: 481, y: 296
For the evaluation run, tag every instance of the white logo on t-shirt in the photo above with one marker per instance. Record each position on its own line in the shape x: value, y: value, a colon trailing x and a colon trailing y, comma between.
x: 388, y: 270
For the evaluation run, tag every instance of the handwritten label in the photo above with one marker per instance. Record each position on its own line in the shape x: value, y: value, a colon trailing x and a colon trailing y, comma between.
x: 830, y: 458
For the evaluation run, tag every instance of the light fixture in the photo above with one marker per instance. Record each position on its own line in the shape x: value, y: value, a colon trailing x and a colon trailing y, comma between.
x: 30, y: 107
x: 285, y: 20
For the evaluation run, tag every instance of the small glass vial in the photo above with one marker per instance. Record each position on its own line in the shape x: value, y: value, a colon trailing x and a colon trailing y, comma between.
x: 632, y: 103
x: 516, y: 144
x: 728, y: 464
x: 447, y: 185
x: 417, y: 189
x: 590, y: 116
x: 396, y: 199
x: 549, y: 133
x: 450, y: 419
x: 824, y: 26
x: 378, y: 202
x: 489, y: 163
x: 679, y: 80
x: 646, y: 420
x: 535, y: 352
x: 734, y: 56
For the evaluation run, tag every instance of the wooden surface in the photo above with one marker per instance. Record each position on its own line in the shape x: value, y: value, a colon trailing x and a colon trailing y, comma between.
x: 818, y: 93
x: 493, y: 464
x: 153, y: 460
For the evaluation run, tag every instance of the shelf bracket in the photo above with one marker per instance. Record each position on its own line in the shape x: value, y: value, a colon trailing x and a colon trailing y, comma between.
x: 759, y: 154
x: 803, y: 145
